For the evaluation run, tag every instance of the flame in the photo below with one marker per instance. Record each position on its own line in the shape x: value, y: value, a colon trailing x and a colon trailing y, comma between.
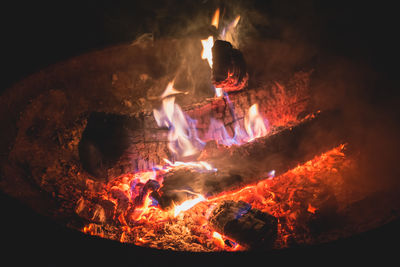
x: 182, y: 136
x: 311, y: 209
x: 224, y: 242
x: 254, y: 124
x: 219, y: 92
x: 170, y: 90
x: 219, y: 241
x: 215, y: 19
x: 235, y: 22
x: 207, y: 52
x: 188, y: 204
x: 228, y: 33
x: 199, y: 165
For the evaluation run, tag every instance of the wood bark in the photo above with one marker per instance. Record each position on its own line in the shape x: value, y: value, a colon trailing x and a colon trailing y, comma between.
x: 238, y: 166
x: 136, y: 143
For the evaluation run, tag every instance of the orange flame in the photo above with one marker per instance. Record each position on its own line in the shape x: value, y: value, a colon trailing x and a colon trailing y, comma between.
x: 219, y: 241
x: 215, y: 19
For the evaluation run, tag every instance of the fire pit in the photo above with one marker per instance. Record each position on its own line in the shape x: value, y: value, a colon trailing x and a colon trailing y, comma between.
x: 189, y: 145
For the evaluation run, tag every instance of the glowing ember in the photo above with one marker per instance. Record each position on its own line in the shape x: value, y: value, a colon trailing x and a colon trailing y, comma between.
x: 219, y: 240
x: 224, y: 243
x: 289, y: 197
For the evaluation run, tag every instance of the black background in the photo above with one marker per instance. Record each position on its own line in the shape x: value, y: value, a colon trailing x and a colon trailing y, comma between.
x: 37, y: 34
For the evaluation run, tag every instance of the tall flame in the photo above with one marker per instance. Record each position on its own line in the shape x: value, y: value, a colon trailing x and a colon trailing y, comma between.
x: 207, y: 52
x: 228, y: 33
x: 182, y: 136
x: 215, y: 19
x: 254, y: 123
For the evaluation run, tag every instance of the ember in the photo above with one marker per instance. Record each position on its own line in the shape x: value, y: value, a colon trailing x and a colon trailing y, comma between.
x: 188, y: 203
x: 258, y: 166
x: 294, y: 198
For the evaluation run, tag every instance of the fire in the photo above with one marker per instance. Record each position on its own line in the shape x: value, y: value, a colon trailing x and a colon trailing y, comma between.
x: 254, y: 123
x: 207, y: 50
x: 228, y: 33
x: 188, y: 204
x: 182, y: 137
x: 154, y: 227
x: 218, y: 238
x: 224, y: 243
x: 136, y: 209
x: 255, y: 126
x: 311, y: 209
x: 215, y: 19
x: 219, y: 92
x: 199, y: 165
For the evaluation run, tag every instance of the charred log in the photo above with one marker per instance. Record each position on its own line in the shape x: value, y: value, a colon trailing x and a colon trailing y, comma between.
x: 229, y: 67
x: 104, y: 140
x: 245, y: 225
x: 238, y: 166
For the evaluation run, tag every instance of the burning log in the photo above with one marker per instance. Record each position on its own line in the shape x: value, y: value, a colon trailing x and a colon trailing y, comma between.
x: 245, y: 225
x: 238, y: 166
x: 105, y: 139
x: 229, y: 67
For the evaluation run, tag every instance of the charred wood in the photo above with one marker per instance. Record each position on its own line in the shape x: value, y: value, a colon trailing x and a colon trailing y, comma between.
x: 229, y: 67
x: 248, y: 226
x: 238, y: 166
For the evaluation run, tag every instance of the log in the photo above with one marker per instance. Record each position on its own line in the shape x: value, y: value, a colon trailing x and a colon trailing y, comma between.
x: 229, y: 70
x: 247, y: 226
x: 238, y: 166
x: 114, y: 144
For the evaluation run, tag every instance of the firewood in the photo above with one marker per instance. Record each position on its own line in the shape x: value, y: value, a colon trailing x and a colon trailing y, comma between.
x: 229, y: 67
x: 238, y: 166
x: 146, y: 145
x: 247, y: 226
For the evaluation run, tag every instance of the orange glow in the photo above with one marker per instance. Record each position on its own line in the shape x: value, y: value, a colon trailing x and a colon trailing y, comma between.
x: 219, y: 241
x: 207, y: 50
x: 150, y: 226
x: 235, y: 22
x: 311, y: 209
x: 215, y: 19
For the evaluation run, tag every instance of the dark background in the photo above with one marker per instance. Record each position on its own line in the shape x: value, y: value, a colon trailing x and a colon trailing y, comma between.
x: 37, y: 34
